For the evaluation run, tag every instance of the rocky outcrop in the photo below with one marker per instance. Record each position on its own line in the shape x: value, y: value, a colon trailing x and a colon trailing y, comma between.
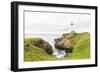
x: 63, y: 43
x: 43, y: 45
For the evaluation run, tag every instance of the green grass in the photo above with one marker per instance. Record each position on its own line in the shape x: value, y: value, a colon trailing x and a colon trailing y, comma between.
x: 36, y: 54
x: 33, y: 53
x: 81, y: 46
x: 80, y: 43
x: 28, y: 41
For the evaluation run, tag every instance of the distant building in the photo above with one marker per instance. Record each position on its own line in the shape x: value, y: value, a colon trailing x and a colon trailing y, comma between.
x: 72, y: 30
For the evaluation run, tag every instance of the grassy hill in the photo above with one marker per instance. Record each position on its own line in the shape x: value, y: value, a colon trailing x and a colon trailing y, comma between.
x: 81, y: 46
x: 33, y: 53
x: 80, y: 43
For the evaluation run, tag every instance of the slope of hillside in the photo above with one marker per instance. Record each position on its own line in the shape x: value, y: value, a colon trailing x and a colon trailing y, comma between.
x: 81, y: 47
x: 80, y: 43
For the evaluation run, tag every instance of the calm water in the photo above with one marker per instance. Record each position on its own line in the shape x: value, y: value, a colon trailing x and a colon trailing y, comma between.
x: 49, y: 38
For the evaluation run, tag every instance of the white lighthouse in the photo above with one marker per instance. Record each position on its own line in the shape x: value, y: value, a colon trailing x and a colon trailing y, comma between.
x: 72, y: 27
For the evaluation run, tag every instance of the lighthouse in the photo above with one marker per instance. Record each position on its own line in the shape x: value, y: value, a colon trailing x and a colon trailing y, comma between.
x: 72, y: 25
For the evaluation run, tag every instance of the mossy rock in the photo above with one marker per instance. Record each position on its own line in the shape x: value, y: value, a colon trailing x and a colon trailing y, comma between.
x: 40, y: 43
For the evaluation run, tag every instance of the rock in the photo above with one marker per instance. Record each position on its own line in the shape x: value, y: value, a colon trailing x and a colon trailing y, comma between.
x: 63, y: 43
x: 43, y: 45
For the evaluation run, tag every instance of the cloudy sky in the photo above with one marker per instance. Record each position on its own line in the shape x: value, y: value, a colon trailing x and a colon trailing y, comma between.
x: 56, y: 22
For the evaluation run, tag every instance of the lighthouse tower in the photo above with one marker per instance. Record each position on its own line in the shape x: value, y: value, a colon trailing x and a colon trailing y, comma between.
x: 72, y: 30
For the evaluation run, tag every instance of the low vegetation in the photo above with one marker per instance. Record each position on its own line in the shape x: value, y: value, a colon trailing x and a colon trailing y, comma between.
x: 80, y: 43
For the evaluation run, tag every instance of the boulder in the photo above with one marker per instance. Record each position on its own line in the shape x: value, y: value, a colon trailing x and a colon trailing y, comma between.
x: 43, y: 45
x: 63, y: 43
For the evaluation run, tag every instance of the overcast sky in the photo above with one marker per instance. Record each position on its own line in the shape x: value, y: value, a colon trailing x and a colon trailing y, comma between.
x: 56, y: 22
